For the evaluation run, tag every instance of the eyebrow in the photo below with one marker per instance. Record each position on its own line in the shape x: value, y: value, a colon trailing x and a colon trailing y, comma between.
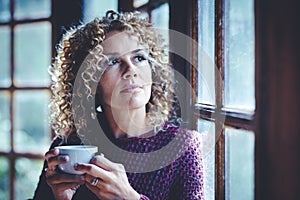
x: 118, y: 54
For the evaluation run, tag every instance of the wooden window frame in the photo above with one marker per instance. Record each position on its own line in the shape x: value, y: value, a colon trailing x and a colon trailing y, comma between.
x: 233, y: 118
x: 12, y: 155
x: 127, y: 5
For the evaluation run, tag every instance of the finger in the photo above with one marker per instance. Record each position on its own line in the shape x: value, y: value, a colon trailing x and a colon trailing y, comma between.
x: 93, y: 170
x: 53, y: 158
x: 59, y: 178
x: 105, y: 163
x: 54, y: 161
x: 65, y: 186
x: 51, y: 153
x: 100, y: 192
x: 89, y: 180
x: 96, y: 182
x: 50, y: 172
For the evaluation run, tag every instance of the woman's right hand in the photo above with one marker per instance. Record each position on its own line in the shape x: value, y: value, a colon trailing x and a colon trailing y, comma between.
x: 63, y: 185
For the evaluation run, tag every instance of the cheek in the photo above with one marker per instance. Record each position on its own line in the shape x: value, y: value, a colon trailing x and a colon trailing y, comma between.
x: 148, y: 80
x: 107, y: 86
x: 147, y: 74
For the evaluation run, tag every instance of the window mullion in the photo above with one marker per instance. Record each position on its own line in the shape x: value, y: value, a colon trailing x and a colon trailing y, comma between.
x: 11, y: 109
x: 219, y: 77
x: 194, y: 58
x: 239, y: 120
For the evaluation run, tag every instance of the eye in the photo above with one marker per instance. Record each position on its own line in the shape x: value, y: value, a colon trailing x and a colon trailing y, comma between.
x: 113, y: 62
x: 140, y: 58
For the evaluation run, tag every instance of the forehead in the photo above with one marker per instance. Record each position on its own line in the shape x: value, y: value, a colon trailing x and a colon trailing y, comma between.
x: 120, y: 42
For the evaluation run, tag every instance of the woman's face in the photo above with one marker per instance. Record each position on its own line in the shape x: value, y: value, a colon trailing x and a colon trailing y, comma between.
x: 126, y: 83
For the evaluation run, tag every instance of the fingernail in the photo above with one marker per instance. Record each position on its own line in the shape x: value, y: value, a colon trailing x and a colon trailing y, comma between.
x: 64, y: 158
x: 76, y: 166
x: 93, y: 160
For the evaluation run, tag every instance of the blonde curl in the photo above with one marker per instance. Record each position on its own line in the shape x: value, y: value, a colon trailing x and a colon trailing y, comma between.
x: 81, y: 45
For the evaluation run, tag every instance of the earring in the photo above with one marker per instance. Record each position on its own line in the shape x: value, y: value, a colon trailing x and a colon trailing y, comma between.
x: 99, y: 109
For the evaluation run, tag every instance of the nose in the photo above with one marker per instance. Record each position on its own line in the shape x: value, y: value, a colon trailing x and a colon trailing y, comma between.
x: 130, y: 70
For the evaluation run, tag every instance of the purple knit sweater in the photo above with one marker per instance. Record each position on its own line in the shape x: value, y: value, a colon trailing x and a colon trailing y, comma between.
x: 174, y: 172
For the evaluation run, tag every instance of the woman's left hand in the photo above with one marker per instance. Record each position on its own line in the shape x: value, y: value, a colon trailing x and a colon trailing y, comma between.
x: 112, y: 180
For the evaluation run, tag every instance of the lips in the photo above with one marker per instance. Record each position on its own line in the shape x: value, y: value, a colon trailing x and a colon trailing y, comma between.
x: 132, y: 89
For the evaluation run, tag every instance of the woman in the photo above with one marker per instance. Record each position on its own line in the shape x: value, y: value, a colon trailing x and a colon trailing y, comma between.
x: 114, y: 72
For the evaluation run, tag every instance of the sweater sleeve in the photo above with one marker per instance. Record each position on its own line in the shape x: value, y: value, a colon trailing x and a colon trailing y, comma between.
x: 192, y: 171
x: 43, y: 190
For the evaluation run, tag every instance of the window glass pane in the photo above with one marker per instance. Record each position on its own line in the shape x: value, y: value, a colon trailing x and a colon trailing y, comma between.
x: 160, y: 16
x: 160, y: 20
x: 206, y: 51
x: 4, y: 178
x: 138, y: 3
x: 31, y: 9
x: 4, y: 11
x: 33, y: 54
x: 239, y: 166
x: 4, y: 122
x: 207, y: 130
x: 27, y: 176
x: 239, y: 58
x: 96, y: 8
x: 35, y: 129
x: 5, y: 80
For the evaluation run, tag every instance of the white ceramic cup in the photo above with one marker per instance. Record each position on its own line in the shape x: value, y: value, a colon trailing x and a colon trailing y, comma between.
x: 77, y: 154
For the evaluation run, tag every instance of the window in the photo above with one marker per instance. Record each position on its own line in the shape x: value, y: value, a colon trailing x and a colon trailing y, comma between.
x: 25, y: 31
x: 29, y: 32
x: 225, y: 94
x: 156, y: 10
x: 96, y: 8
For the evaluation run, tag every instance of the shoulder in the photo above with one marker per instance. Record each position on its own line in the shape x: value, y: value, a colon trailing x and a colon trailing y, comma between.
x: 193, y: 143
x: 187, y: 141
x: 201, y: 143
x: 191, y: 138
x: 190, y: 164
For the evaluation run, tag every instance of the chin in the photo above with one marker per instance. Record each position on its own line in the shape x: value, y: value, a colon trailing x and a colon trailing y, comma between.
x: 138, y: 100
x: 132, y: 103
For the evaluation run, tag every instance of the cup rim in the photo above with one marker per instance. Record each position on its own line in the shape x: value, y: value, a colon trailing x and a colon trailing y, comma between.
x: 77, y: 147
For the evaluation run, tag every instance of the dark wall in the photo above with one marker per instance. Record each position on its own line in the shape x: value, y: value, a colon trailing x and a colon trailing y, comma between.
x: 278, y: 99
x: 65, y: 13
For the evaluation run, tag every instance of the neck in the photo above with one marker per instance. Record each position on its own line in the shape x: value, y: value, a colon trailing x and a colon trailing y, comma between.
x: 129, y: 123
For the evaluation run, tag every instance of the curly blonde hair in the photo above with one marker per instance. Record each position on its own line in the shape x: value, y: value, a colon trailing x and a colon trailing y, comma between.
x: 81, y: 45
